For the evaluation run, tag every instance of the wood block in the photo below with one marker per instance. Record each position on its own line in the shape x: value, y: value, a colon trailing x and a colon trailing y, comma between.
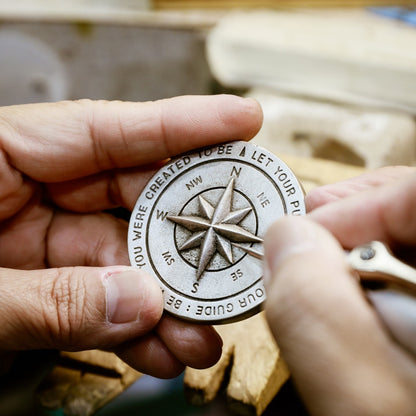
x: 55, y: 388
x: 90, y: 394
x: 83, y: 382
x: 257, y: 369
x: 219, y: 4
x: 356, y: 136
x: 347, y: 56
x: 202, y: 386
x: 317, y: 172
x: 102, y: 360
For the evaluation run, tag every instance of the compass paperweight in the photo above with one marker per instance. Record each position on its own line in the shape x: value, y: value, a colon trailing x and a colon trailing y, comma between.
x: 199, y: 218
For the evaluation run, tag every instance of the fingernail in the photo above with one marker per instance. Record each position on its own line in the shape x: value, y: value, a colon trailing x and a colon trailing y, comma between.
x: 128, y: 293
x: 288, y: 237
x: 251, y: 103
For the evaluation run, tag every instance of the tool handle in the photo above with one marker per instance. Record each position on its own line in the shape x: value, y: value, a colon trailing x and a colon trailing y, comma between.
x: 398, y: 312
x: 374, y: 261
x: 396, y: 304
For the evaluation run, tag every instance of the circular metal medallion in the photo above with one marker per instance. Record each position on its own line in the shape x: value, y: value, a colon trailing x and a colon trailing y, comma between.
x: 199, y: 218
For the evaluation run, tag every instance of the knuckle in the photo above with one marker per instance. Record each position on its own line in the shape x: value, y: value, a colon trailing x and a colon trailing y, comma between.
x: 64, y: 300
x: 161, y: 108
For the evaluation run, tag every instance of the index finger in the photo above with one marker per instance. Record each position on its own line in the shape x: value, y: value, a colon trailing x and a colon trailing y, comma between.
x: 69, y: 140
x: 339, y: 190
x: 386, y: 213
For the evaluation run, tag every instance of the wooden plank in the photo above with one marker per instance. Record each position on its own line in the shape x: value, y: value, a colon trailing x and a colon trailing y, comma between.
x: 83, y: 382
x: 346, y: 56
x: 317, y: 172
x: 221, y: 4
x: 56, y: 386
x: 173, y: 18
x: 90, y: 394
x: 256, y: 375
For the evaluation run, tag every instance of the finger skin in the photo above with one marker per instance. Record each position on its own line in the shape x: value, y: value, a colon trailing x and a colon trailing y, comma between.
x: 197, y: 346
x: 339, y: 190
x: 66, y: 309
x: 342, y: 360
x: 29, y: 228
x: 104, y: 190
x: 96, y: 240
x: 172, y: 346
x: 150, y: 355
x: 95, y: 136
x: 66, y: 141
x: 205, y: 121
x: 177, y: 343
x: 386, y: 213
x: 64, y: 239
x: 69, y: 309
x: 95, y: 153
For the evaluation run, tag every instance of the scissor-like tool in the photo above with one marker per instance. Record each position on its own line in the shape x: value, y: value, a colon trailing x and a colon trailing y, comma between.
x: 396, y: 302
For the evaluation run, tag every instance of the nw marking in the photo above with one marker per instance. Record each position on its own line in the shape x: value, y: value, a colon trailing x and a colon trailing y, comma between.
x: 194, y: 182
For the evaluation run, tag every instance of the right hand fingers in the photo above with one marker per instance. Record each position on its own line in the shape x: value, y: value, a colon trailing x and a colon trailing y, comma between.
x: 386, y: 213
x: 340, y: 356
x: 332, y: 192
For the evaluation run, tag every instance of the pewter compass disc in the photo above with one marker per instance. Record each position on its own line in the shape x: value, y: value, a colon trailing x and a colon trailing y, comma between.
x: 196, y: 220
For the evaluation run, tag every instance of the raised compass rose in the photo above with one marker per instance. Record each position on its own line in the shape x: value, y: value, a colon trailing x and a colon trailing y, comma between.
x: 216, y: 229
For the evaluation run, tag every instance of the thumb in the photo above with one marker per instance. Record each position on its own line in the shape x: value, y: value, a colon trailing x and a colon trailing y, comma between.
x: 76, y: 308
x: 330, y: 337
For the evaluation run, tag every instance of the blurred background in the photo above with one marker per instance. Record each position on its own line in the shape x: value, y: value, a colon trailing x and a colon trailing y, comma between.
x: 336, y: 80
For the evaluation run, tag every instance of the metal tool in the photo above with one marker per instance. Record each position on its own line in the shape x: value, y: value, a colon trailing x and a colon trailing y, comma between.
x: 373, y: 262
x: 396, y: 301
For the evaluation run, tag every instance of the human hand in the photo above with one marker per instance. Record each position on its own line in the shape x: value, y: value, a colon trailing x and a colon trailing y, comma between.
x: 342, y: 358
x: 64, y: 281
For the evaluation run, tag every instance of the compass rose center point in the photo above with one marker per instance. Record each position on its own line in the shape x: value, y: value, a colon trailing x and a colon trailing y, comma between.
x: 214, y: 228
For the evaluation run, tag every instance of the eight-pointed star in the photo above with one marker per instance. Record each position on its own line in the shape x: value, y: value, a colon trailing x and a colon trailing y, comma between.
x: 216, y: 230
